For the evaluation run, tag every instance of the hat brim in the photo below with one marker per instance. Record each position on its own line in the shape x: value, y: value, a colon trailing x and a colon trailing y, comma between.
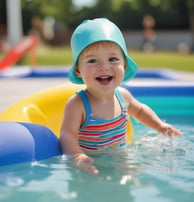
x: 131, y: 69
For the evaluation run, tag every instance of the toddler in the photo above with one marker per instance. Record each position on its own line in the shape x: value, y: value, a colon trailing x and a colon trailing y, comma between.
x: 95, y: 119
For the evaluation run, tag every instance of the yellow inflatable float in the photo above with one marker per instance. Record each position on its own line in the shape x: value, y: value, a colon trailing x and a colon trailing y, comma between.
x: 45, y: 107
x: 41, y: 112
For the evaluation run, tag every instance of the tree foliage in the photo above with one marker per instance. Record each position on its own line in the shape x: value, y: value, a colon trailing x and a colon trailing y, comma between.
x: 169, y: 14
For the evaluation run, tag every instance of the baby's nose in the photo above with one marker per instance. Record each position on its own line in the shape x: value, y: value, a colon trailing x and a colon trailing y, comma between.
x: 103, y: 66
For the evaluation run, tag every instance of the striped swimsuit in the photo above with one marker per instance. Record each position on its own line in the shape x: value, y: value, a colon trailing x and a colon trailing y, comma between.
x: 102, y: 134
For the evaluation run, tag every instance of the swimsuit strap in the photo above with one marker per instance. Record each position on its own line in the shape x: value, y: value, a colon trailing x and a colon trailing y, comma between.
x: 87, y: 106
x: 120, y: 99
x: 86, y: 102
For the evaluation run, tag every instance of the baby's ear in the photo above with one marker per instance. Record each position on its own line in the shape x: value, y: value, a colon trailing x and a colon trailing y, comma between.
x: 77, y: 72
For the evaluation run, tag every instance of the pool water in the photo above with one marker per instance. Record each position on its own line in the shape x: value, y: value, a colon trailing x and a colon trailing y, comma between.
x: 155, y: 168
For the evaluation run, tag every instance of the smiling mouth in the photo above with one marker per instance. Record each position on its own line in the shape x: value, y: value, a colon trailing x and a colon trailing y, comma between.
x: 104, y: 79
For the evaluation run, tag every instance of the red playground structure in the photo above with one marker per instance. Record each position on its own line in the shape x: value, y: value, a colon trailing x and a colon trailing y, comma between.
x: 27, y: 44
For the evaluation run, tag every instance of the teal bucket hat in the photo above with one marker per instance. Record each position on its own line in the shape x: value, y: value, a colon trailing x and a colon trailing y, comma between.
x: 91, y: 31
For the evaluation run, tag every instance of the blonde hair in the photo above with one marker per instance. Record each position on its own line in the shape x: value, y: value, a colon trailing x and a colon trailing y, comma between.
x: 105, y: 44
x: 95, y: 45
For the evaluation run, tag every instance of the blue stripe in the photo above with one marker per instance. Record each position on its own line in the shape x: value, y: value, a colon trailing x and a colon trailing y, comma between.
x: 177, y: 90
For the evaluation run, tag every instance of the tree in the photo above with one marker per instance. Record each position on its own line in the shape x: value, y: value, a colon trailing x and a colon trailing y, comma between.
x: 169, y: 14
x: 61, y: 10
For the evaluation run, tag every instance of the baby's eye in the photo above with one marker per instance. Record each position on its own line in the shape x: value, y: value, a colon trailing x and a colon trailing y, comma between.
x: 113, y: 59
x: 92, y: 61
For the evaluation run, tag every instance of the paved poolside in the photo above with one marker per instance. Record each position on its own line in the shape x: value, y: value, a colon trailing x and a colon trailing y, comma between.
x: 13, y: 89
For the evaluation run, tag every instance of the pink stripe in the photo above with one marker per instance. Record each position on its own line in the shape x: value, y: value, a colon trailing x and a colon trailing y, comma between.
x: 111, y: 142
x: 89, y: 148
x: 105, y: 126
x: 89, y: 134
x: 100, y: 139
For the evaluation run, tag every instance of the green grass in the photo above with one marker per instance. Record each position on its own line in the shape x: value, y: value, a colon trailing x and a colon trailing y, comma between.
x: 47, y: 56
x: 167, y: 59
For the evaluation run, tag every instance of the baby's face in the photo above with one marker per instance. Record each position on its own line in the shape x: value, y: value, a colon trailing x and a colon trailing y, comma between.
x: 101, y: 63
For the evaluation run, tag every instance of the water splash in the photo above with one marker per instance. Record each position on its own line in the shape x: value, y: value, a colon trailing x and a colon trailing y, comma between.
x: 161, y: 152
x: 159, y: 143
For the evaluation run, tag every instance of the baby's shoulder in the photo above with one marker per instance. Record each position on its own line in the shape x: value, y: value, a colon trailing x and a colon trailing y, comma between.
x: 124, y: 92
x: 74, y: 101
x: 126, y: 95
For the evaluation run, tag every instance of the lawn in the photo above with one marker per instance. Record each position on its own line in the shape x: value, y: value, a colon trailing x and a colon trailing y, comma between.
x: 164, y: 59
x: 47, y: 56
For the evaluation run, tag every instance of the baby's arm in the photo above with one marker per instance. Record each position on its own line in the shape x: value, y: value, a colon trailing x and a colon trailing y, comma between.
x: 68, y: 136
x: 147, y: 116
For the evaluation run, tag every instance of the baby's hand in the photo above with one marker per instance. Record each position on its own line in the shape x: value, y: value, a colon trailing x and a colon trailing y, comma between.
x: 84, y: 162
x: 169, y: 130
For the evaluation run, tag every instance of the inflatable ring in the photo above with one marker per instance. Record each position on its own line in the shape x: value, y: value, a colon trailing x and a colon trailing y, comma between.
x: 25, y: 142
x: 30, y: 128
